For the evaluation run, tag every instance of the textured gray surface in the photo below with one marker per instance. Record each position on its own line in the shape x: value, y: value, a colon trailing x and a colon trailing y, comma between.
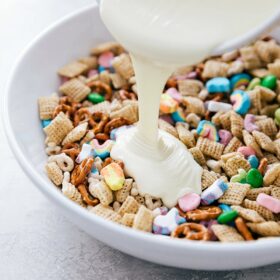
x: 36, y: 242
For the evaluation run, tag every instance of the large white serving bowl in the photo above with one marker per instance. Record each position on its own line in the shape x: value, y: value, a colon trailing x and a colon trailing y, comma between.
x: 34, y: 75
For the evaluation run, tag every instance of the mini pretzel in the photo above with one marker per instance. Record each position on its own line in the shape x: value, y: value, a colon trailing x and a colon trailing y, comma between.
x: 263, y: 165
x: 101, y: 88
x: 109, y: 160
x: 68, y: 110
x: 66, y: 100
x: 86, y: 196
x: 124, y: 95
x: 243, y: 229
x: 71, y: 149
x: 115, y: 123
x: 102, y: 137
x: 171, y: 82
x: 191, y: 231
x: 81, y: 171
x: 82, y: 114
x: 204, y: 213
x: 98, y: 121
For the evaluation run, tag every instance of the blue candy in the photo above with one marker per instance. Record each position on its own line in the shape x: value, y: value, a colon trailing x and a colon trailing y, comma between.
x: 101, y: 68
x: 218, y: 84
x: 253, y: 160
x: 45, y: 123
x: 178, y: 116
x: 241, y: 102
x: 238, y: 80
x: 225, y: 207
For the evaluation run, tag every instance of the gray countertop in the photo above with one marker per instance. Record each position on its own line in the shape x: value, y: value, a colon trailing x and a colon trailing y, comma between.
x: 36, y: 242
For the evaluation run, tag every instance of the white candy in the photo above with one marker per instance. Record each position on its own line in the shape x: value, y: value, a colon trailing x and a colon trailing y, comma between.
x: 85, y: 153
x: 214, y: 106
x: 214, y: 165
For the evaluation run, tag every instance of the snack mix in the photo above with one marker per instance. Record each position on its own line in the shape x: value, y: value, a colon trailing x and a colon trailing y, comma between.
x: 226, y: 110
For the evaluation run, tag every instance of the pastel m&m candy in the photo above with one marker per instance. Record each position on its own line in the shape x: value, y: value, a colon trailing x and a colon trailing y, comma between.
x: 45, y: 123
x: 227, y: 217
x: 241, y: 101
x: 253, y: 160
x: 165, y: 224
x: 254, y: 178
x: 168, y: 105
x: 208, y: 130
x: 219, y: 84
x: 102, y: 150
x: 246, y: 151
x: 113, y: 176
x: 269, y: 202
x: 105, y: 59
x: 239, y: 80
x: 269, y: 81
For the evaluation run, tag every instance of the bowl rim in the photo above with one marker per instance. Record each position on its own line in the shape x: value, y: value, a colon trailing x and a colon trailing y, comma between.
x: 71, y: 207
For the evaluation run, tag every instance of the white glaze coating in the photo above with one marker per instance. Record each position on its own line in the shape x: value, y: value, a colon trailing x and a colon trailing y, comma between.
x: 162, y: 35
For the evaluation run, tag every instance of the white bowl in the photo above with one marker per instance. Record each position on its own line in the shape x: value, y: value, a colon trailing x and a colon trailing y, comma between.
x: 35, y: 75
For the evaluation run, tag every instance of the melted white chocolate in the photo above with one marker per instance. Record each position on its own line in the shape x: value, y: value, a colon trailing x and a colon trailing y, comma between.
x: 162, y: 35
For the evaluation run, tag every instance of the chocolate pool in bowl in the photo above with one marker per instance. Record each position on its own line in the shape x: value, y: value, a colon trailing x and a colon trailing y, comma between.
x: 65, y: 41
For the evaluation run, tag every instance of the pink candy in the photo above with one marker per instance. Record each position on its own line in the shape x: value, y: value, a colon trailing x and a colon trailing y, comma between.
x: 105, y: 59
x: 92, y: 73
x: 174, y: 93
x: 269, y: 202
x: 249, y: 123
x: 189, y: 202
x: 225, y: 136
x: 246, y: 151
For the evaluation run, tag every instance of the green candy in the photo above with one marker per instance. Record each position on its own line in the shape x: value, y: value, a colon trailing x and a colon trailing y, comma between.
x: 240, y: 177
x: 254, y: 178
x: 269, y: 81
x: 277, y: 116
x: 227, y: 217
x: 95, y: 98
x: 255, y: 82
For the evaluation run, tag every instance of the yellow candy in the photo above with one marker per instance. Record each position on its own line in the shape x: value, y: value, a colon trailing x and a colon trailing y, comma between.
x: 168, y: 105
x: 113, y: 176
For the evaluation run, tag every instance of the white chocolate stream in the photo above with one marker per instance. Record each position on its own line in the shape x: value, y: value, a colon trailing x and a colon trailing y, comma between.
x: 162, y: 35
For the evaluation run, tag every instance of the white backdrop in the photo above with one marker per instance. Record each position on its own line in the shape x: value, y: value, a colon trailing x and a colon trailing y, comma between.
x: 36, y: 242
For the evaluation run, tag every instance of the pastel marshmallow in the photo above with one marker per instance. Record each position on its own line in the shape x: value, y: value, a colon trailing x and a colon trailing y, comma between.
x: 208, y: 130
x: 165, y: 224
x: 85, y: 153
x: 189, y: 202
x: 168, y: 105
x: 246, y: 151
x: 218, y: 84
x: 269, y: 202
x: 249, y: 123
x: 215, y: 106
x: 241, y: 101
x: 214, y: 192
x: 113, y: 176
x: 225, y: 136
